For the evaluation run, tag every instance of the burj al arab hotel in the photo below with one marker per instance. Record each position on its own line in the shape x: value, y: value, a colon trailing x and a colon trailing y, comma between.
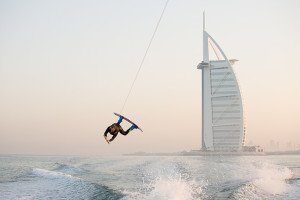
x: 222, y: 108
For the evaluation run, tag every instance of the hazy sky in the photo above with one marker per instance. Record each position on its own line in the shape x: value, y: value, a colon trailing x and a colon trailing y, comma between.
x: 66, y: 66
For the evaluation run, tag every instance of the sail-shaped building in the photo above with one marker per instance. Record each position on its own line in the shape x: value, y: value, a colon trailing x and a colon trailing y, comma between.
x: 222, y: 108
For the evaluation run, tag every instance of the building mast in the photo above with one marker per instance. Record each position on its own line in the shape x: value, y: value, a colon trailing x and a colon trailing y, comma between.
x: 206, y: 89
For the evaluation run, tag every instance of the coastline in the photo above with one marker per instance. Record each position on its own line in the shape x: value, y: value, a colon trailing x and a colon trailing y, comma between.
x: 211, y: 153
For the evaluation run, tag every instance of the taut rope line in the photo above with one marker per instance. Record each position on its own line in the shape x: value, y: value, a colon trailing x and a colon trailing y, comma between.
x: 144, y: 57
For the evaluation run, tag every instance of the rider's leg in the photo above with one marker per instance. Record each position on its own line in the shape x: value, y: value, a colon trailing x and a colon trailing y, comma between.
x: 133, y: 126
x: 120, y: 120
x: 124, y: 132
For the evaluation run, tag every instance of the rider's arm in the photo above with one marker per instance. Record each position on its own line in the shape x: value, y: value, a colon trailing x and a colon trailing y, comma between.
x: 113, y: 137
x: 105, y: 133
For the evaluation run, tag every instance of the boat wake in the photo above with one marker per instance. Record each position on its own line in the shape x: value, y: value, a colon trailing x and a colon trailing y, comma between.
x: 269, y: 181
x: 51, y: 174
x: 166, y: 180
x: 166, y: 188
x: 56, y: 185
x: 152, y: 178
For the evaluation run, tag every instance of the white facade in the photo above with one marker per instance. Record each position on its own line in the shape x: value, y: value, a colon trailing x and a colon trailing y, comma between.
x: 222, y: 108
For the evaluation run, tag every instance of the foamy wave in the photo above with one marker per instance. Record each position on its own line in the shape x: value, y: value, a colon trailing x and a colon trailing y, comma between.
x: 167, y: 189
x: 174, y: 189
x: 50, y: 174
x: 272, y: 178
x: 268, y: 180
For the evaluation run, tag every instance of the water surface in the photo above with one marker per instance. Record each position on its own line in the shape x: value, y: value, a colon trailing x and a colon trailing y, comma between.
x: 130, y: 177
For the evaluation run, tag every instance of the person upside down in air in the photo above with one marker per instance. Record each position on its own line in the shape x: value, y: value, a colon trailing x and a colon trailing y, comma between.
x: 115, y: 128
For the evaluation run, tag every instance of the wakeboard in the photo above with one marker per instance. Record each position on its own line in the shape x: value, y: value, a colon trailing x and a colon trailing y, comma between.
x: 128, y: 120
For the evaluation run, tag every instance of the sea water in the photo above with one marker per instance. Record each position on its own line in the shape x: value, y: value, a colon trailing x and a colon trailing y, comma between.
x: 133, y: 177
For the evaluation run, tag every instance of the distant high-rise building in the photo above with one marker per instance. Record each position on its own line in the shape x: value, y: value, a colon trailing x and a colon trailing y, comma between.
x: 222, y: 109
